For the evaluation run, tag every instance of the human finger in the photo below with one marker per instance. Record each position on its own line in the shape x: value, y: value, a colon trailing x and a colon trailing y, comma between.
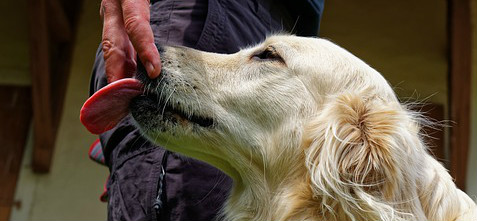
x: 136, y: 22
x: 118, y: 52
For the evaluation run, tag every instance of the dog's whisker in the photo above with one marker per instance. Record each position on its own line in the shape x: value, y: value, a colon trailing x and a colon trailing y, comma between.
x: 166, y: 101
x: 162, y: 89
x: 196, y: 97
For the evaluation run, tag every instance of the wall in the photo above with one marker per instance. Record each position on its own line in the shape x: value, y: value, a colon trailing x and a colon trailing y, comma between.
x: 14, y: 67
x: 71, y: 190
x: 404, y: 40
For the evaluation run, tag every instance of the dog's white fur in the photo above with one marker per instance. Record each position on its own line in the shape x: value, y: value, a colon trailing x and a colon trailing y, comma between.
x: 312, y: 133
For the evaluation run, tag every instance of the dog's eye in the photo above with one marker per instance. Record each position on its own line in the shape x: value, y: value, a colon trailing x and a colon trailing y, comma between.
x: 270, y: 53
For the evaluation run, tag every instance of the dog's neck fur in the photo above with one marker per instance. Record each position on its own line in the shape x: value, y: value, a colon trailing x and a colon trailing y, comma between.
x: 284, y: 195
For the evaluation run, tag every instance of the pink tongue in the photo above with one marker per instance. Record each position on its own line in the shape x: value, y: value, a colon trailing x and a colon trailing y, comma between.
x: 109, y: 105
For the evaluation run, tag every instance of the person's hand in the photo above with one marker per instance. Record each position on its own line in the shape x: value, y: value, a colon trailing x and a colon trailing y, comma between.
x: 126, y: 29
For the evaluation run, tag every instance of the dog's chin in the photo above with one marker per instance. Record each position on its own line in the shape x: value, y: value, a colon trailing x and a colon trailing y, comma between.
x: 154, y: 116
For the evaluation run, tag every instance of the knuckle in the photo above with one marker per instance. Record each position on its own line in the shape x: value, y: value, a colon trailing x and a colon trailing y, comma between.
x: 108, y: 48
x: 132, y: 23
x: 116, y: 55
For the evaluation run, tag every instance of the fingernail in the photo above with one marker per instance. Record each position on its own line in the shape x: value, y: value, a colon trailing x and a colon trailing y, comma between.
x: 157, y: 68
x: 149, y: 68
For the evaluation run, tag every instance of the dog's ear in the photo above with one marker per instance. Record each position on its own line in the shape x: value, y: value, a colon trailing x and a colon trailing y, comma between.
x: 356, y: 149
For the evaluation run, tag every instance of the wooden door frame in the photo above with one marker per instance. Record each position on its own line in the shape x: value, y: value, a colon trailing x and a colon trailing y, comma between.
x: 52, y: 30
x: 459, y: 86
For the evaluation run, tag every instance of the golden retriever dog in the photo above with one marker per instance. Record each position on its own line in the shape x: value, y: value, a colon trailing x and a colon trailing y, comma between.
x: 306, y: 130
